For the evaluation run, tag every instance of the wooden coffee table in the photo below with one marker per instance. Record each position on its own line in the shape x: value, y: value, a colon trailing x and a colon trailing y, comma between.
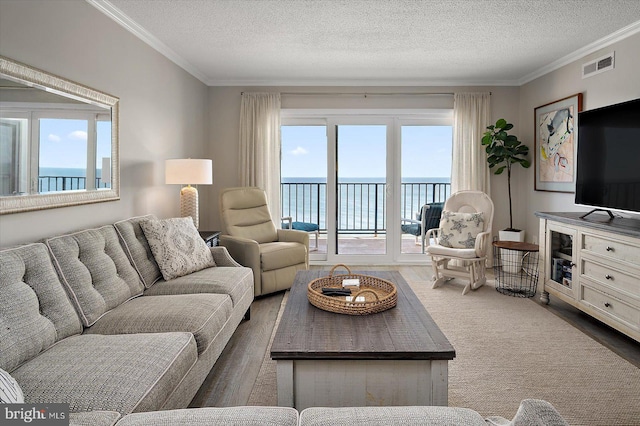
x: 395, y: 357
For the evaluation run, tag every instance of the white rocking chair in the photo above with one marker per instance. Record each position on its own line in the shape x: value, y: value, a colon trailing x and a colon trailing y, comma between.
x: 469, y: 263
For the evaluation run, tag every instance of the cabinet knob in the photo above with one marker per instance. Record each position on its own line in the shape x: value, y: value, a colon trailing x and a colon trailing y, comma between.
x: 608, y: 277
x: 610, y: 248
x: 607, y: 304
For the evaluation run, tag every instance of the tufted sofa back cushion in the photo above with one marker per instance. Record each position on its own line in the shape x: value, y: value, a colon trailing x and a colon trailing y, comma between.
x: 34, y: 309
x: 137, y: 248
x: 95, y: 271
x: 245, y: 213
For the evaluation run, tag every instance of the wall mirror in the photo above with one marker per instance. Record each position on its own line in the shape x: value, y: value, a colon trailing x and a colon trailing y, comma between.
x: 58, y: 141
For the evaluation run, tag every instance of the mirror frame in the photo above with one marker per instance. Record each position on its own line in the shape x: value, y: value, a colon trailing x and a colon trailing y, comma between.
x: 54, y: 84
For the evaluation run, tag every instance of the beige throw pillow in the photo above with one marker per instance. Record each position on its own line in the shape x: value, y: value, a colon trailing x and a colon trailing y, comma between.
x: 459, y: 230
x: 177, y: 246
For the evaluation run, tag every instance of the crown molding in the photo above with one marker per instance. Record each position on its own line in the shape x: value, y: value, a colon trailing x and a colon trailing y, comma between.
x: 615, y: 37
x: 133, y: 27
x: 130, y: 25
x: 361, y: 83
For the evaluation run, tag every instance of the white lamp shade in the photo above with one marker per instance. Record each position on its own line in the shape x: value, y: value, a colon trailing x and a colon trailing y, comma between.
x: 192, y: 171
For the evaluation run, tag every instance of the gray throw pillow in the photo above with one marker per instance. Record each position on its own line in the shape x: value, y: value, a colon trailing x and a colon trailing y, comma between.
x: 177, y: 246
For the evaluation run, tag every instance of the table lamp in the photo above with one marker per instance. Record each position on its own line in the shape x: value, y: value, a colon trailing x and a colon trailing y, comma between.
x: 189, y: 172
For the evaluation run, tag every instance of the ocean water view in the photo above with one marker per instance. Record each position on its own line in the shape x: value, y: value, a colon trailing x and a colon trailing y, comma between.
x: 362, y: 202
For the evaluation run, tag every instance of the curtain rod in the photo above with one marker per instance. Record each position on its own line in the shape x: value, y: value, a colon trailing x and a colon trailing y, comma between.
x: 365, y: 94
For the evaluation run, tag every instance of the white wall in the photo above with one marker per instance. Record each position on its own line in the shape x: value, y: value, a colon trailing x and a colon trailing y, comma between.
x: 224, y: 123
x: 163, y: 109
x: 618, y: 85
x: 167, y: 113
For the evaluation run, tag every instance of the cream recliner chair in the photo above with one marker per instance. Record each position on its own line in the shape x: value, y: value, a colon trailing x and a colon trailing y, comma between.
x: 252, y: 239
x: 460, y: 246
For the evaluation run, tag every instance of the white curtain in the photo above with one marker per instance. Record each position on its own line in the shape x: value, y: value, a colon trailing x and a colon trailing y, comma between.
x: 260, y: 145
x: 471, y: 116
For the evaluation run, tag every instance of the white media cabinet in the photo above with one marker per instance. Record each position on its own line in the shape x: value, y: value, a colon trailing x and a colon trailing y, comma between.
x: 594, y: 265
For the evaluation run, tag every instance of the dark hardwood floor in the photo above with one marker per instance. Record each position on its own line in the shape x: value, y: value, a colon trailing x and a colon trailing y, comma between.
x: 232, y: 378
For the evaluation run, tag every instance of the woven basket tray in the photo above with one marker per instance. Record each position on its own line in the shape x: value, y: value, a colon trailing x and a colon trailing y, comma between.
x: 379, y: 295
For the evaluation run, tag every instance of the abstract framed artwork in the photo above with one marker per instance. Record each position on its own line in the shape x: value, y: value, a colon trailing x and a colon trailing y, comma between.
x: 556, y: 141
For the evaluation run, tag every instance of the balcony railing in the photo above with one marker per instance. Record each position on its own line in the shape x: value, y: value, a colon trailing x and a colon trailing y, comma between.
x: 362, y: 205
x: 65, y: 183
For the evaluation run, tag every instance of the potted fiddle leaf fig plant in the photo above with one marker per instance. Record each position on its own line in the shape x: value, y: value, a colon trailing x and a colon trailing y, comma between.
x: 503, y: 152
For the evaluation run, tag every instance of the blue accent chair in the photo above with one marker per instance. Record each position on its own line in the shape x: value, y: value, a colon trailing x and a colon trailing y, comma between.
x: 427, y: 218
x: 288, y: 223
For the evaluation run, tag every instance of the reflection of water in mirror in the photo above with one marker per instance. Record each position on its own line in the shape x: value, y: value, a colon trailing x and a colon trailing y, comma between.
x: 58, y: 141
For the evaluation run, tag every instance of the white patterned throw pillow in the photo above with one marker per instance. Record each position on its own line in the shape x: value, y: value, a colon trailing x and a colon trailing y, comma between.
x: 459, y: 230
x: 10, y: 392
x: 177, y: 246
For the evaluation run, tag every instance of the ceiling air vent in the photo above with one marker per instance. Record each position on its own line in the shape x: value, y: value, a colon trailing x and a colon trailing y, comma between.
x: 602, y: 64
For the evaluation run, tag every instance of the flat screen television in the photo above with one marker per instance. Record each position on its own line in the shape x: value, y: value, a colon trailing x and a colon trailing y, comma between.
x: 608, y: 164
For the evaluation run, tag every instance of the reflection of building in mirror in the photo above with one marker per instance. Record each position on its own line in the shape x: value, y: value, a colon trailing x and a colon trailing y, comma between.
x: 53, y: 146
x: 13, y: 135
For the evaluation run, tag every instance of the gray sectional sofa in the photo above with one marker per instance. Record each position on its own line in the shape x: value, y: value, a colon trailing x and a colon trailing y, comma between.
x: 532, y: 412
x: 116, y: 323
x: 89, y: 319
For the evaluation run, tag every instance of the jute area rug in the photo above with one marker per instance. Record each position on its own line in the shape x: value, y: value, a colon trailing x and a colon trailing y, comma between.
x: 509, y: 349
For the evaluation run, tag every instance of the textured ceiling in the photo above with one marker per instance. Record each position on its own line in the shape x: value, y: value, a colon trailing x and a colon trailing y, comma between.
x: 372, y: 42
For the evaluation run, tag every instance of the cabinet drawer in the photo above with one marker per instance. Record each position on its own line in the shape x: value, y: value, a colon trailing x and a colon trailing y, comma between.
x: 611, y: 306
x: 611, y: 277
x: 612, y: 249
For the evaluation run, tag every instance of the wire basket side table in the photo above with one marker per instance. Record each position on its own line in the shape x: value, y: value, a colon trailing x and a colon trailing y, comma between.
x: 516, y: 268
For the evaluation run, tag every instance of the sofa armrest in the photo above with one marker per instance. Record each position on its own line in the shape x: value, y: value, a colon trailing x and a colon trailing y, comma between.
x: 222, y: 257
x: 531, y: 412
x: 243, y: 250
x: 293, y: 236
x: 247, y: 253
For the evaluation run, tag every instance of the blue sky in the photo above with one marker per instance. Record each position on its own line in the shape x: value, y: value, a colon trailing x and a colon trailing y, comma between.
x: 426, y: 151
x: 63, y: 142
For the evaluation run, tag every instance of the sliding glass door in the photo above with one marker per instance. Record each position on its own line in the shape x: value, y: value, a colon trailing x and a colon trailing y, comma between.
x: 425, y: 176
x: 359, y: 177
x: 303, y: 170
